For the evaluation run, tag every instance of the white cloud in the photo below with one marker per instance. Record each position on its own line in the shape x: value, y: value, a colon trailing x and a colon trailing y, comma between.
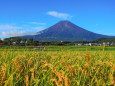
x: 9, y: 27
x: 59, y: 15
x: 38, y: 28
x: 12, y: 33
x: 94, y: 25
x: 38, y: 23
x: 15, y: 33
x: 10, y: 30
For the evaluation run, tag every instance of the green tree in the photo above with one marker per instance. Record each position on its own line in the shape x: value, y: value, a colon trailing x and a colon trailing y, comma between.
x: 23, y: 41
x: 30, y: 41
x: 7, y: 41
x: 1, y: 41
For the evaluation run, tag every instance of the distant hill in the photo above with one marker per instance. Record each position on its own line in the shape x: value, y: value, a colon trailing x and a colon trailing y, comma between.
x: 66, y: 31
x: 105, y: 40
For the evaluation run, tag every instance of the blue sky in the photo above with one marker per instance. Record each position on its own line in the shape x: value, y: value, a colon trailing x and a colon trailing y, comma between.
x: 23, y: 17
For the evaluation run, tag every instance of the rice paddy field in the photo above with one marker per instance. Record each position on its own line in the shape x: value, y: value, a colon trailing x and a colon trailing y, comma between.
x: 57, y: 66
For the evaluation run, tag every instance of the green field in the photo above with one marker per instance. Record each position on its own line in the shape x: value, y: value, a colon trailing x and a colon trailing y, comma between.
x: 58, y: 48
x: 57, y: 66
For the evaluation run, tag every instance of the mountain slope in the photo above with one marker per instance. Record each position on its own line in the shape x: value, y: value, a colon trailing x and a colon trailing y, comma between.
x: 66, y: 31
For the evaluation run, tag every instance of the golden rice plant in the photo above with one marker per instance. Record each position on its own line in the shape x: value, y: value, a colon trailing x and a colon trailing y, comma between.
x: 57, y: 68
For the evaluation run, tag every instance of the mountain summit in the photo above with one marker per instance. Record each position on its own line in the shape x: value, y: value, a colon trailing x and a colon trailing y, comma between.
x: 66, y: 31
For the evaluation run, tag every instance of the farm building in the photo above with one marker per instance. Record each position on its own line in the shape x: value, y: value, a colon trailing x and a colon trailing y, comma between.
x: 39, y: 47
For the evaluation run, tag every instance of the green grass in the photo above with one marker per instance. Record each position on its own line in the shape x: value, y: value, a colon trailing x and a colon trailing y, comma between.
x: 58, y: 48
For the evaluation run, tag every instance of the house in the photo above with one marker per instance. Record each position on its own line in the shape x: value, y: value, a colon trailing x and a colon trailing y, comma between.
x: 39, y: 47
x: 14, y: 43
x: 78, y: 44
x: 106, y: 43
x: 112, y: 44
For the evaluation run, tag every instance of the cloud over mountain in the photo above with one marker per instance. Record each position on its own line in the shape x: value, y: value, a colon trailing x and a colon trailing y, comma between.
x: 37, y: 23
x: 59, y: 15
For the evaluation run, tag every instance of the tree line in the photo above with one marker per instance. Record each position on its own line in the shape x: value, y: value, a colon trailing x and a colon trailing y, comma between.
x: 29, y: 42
